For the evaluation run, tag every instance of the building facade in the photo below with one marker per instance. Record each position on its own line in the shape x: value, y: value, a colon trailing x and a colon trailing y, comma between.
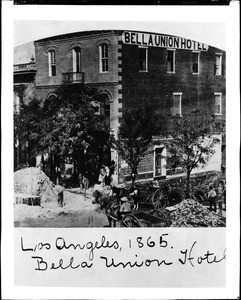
x: 24, y: 87
x: 24, y: 71
x: 177, y: 75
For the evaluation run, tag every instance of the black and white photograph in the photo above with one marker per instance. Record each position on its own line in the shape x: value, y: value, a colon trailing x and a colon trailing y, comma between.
x: 119, y: 128
x: 121, y: 157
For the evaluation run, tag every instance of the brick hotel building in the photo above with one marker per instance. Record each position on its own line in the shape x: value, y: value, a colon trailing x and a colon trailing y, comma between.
x: 127, y: 67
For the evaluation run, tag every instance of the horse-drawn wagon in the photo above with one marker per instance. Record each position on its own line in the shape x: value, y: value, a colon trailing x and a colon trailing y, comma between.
x: 149, y: 208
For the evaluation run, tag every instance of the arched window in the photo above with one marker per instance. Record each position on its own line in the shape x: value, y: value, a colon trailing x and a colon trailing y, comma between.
x: 104, y: 57
x: 104, y: 107
x: 52, y: 63
x: 76, y: 60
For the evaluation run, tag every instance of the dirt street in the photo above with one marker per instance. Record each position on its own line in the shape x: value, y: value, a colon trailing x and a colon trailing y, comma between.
x: 78, y: 211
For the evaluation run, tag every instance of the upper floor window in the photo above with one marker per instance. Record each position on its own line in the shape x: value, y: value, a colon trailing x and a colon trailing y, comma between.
x: 218, y: 103
x: 143, y: 53
x: 177, y: 104
x: 104, y: 57
x: 195, y: 62
x: 52, y: 63
x: 171, y: 61
x: 218, y: 64
x: 76, y: 60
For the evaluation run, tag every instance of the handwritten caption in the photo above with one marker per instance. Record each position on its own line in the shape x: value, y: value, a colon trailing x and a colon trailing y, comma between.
x: 128, y: 253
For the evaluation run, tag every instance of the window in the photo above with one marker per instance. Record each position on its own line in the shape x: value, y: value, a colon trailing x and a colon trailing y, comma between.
x: 171, y: 61
x: 143, y: 59
x: 104, y: 53
x: 52, y: 63
x: 171, y: 170
x: 218, y: 103
x: 76, y: 60
x: 159, y: 161
x: 105, y: 106
x: 195, y: 62
x: 177, y: 104
x: 218, y: 64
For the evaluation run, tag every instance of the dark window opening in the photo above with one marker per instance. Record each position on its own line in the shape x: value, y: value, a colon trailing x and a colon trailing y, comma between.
x: 142, y: 59
x: 105, y: 107
x: 53, y: 70
x: 170, y: 61
x: 195, y: 63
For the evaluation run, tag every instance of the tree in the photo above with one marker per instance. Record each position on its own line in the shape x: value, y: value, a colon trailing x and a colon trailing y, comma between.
x: 26, y: 133
x: 135, y: 135
x: 71, y: 128
x: 191, y: 145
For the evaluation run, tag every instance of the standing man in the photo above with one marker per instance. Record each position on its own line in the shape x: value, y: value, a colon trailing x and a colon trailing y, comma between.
x: 220, y: 198
x: 80, y: 181
x: 212, y: 198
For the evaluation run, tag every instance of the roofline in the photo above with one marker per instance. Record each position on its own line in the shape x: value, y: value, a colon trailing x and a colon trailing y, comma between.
x: 108, y: 31
x: 78, y: 33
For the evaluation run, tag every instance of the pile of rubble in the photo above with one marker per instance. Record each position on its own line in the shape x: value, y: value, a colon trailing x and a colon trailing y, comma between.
x: 190, y: 213
x: 34, y: 182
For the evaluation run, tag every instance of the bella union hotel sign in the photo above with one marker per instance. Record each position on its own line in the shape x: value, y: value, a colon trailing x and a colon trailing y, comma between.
x: 162, y: 41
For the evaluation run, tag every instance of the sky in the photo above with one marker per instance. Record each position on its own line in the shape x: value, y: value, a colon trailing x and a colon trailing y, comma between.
x: 211, y: 33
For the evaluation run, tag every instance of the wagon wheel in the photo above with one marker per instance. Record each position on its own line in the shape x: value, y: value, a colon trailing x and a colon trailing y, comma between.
x: 130, y: 221
x: 159, y: 199
x: 165, y: 215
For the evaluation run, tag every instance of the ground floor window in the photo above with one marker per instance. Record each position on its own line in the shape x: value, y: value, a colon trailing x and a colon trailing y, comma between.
x: 159, y: 161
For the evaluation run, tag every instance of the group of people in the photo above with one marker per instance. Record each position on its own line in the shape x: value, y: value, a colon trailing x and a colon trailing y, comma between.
x: 217, y: 198
x: 105, y: 192
x: 106, y: 172
x: 103, y: 187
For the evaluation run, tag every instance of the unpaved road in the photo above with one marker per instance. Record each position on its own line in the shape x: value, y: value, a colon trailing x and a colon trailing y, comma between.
x: 78, y: 211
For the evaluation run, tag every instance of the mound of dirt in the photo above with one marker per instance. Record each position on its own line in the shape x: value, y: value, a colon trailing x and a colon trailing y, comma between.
x: 190, y: 213
x: 33, y: 181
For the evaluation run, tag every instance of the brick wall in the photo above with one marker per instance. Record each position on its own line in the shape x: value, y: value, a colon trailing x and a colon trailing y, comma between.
x: 146, y: 165
x: 126, y: 86
x: 158, y: 86
x: 105, y: 83
x: 89, y: 60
